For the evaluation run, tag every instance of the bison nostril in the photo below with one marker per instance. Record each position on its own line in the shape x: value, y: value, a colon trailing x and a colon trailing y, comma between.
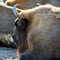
x: 13, y: 36
x: 14, y: 39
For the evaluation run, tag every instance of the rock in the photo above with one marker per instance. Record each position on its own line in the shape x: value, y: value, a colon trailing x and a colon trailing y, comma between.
x: 8, y: 58
x: 6, y: 41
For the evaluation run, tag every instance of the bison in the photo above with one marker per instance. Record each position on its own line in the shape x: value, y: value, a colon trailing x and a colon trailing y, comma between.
x: 12, y: 2
x: 7, y: 18
x: 24, y: 3
x: 37, y: 32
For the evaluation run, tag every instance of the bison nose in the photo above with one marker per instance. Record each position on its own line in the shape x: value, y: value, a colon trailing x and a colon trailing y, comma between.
x: 14, y: 39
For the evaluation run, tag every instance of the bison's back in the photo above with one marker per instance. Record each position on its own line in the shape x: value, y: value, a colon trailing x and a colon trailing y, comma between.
x: 44, y: 36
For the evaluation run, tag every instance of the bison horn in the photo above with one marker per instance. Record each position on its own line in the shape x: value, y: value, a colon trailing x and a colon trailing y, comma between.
x: 15, y: 10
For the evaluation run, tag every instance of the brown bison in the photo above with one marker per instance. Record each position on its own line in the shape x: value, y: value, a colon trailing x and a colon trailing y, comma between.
x: 37, y: 33
x: 6, y: 19
x: 25, y: 3
x: 12, y: 2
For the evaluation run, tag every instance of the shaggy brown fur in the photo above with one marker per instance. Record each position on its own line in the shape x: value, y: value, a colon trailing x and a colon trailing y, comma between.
x: 42, y: 32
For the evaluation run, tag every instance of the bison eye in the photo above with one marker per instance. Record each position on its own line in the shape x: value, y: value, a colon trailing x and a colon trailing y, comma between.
x: 21, y: 24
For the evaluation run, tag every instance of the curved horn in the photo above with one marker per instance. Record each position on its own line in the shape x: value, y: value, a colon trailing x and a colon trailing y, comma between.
x: 15, y: 10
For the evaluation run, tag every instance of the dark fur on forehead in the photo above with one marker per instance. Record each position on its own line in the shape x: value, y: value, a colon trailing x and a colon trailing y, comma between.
x: 26, y: 21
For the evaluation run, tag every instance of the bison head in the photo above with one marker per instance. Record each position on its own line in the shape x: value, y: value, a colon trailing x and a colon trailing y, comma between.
x: 23, y: 21
x: 20, y: 33
x: 21, y: 29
